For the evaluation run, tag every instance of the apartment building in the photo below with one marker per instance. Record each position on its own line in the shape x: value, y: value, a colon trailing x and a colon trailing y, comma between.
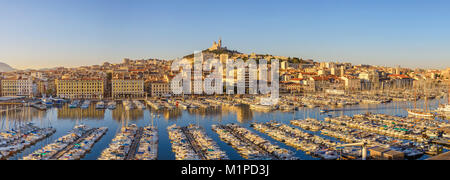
x: 18, y: 86
x: 127, y: 88
x: 159, y: 89
x: 80, y: 88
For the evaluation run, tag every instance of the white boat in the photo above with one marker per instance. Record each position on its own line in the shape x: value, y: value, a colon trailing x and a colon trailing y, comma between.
x: 168, y: 105
x: 139, y: 105
x: 420, y: 113
x: 85, y: 104
x: 181, y: 105
x: 39, y: 106
x: 444, y: 109
x: 58, y: 101
x: 74, y: 104
x: 100, y: 105
x: 154, y: 104
x: 261, y: 107
x: 192, y: 106
x: 127, y: 105
x: 47, y: 101
x: 286, y: 107
x: 111, y: 105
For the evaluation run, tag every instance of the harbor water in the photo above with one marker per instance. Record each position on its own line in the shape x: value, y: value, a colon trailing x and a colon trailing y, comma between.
x: 64, y: 119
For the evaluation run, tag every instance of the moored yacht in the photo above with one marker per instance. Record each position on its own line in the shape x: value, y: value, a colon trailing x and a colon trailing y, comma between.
x: 100, y: 105
x: 139, y: 104
x: 261, y: 107
x: 445, y: 109
x: 420, y: 113
x: 85, y: 104
x: 74, y: 104
x: 47, y: 101
x: 112, y: 105
x: 127, y: 105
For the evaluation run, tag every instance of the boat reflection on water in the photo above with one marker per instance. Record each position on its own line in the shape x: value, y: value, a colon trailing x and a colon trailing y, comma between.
x: 67, y: 113
x: 241, y: 113
x: 24, y: 114
x: 120, y: 113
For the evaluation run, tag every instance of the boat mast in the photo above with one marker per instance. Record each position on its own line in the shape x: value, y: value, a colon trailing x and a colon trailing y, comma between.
x: 15, y: 119
x: 415, y: 99
x: 152, y: 118
x: 1, y: 118
x: 7, y: 117
x: 123, y: 119
x: 448, y: 94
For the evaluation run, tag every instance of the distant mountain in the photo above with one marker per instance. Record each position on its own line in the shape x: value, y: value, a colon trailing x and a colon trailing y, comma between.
x: 5, y: 67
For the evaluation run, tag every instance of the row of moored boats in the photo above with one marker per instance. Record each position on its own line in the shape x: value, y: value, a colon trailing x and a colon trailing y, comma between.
x: 133, y: 143
x: 250, y: 145
x: 15, y: 140
x: 192, y: 143
x: 72, y: 146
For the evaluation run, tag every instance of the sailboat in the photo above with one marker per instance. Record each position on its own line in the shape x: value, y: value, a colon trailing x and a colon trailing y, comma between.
x: 445, y: 109
x: 419, y: 112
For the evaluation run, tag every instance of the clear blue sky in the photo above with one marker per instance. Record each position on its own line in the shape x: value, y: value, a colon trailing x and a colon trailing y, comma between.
x: 49, y: 33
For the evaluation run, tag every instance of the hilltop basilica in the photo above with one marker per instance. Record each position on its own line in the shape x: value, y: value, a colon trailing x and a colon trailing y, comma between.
x: 217, y: 46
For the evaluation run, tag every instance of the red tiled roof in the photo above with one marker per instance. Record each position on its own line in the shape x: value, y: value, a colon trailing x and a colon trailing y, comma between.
x: 332, y: 77
x: 297, y: 79
x: 402, y: 76
x: 320, y: 78
x: 350, y: 77
x: 136, y: 70
x: 82, y: 79
x: 305, y: 73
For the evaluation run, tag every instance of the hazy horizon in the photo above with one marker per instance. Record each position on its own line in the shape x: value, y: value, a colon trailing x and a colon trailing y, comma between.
x: 53, y: 33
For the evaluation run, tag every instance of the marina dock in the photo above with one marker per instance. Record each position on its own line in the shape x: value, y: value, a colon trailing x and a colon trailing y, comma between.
x: 14, y: 142
x: 299, y: 139
x: 378, y: 131
x: 148, y: 144
x: 134, y: 145
x: 442, y: 142
x: 412, y: 137
x: 193, y: 143
x: 63, y: 144
x: 444, y: 156
x: 79, y: 149
x: 71, y: 145
x: 264, y: 147
x: 154, y: 104
x: 244, y: 139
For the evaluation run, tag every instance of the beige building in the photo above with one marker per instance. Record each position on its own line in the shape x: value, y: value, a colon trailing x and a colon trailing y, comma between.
x: 80, y: 88
x: 127, y: 88
x: 41, y: 87
x: 159, y: 89
x: 17, y: 86
x: 351, y: 83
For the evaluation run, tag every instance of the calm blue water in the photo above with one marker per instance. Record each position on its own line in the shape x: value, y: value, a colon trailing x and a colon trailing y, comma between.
x: 64, y: 119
